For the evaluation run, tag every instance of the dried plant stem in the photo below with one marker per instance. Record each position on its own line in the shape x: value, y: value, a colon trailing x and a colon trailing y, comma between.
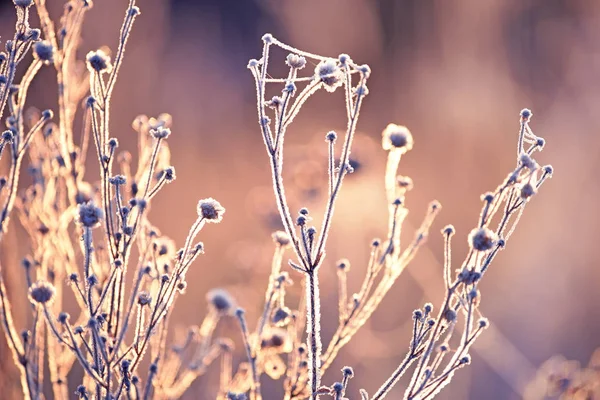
x: 313, y: 329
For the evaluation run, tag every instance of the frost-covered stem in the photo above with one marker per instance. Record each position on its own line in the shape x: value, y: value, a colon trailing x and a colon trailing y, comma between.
x: 432, y: 339
x: 14, y: 343
x: 255, y: 385
x: 393, y: 379
x: 340, y: 176
x: 313, y: 329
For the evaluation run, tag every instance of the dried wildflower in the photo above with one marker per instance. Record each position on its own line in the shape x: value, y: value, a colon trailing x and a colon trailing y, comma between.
x: 526, y: 114
x: 281, y: 238
x: 210, y: 210
x: 295, y: 61
x: 527, y: 190
x: 144, y: 299
x: 23, y: 3
x: 160, y: 132
x: 44, y: 51
x: 275, y: 339
x: 169, y: 174
x: 98, y: 61
x: 42, y: 292
x: 397, y: 137
x: 330, y: 74
x: 281, y: 316
x: 117, y: 180
x: 528, y: 162
x: 89, y: 215
x: 221, y: 300
x: 482, y: 239
x: 63, y: 317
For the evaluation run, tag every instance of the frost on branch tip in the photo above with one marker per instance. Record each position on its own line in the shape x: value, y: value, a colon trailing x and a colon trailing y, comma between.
x: 41, y: 292
x: 330, y: 74
x: 397, y: 137
x: 211, y: 210
x: 98, y: 61
x: 89, y: 215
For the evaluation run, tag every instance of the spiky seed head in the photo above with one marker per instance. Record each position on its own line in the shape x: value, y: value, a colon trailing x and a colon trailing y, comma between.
x: 89, y: 215
x: 44, y: 51
x: 220, y: 300
x: 210, y: 210
x: 328, y: 72
x: 42, y: 292
x: 98, y: 61
x: 295, y: 61
x: 482, y: 239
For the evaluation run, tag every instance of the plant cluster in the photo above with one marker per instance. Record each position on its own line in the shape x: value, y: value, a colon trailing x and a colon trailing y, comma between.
x: 90, y: 236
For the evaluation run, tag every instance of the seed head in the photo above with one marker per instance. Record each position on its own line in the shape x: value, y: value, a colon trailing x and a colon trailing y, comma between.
x: 44, y: 51
x: 117, y: 180
x: 98, y: 61
x: 450, y: 315
x: 23, y: 3
x: 221, y: 300
x: 330, y: 74
x: 397, y: 137
x: 42, y: 292
x: 275, y: 338
x: 295, y: 61
x: 482, y: 239
x: 526, y: 114
x: 281, y: 238
x: 63, y: 317
x: 527, y: 161
x: 8, y: 136
x: 281, y: 316
x: 348, y: 371
x: 528, y: 190
x: 343, y: 265
x: 144, y: 299
x: 170, y: 174
x: 210, y: 210
x: 89, y: 215
x: 160, y: 132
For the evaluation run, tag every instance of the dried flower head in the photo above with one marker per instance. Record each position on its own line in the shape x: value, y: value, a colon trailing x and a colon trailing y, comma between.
x: 397, y: 137
x: 160, y: 132
x: 482, y: 239
x: 276, y: 339
x: 330, y: 74
x: 42, y: 292
x: 144, y: 298
x: 89, y: 215
x: 281, y: 238
x: 210, y: 210
x: 44, y: 51
x: 221, y: 300
x: 98, y: 61
x: 295, y: 61
x: 281, y: 316
x: 23, y: 3
x: 527, y: 190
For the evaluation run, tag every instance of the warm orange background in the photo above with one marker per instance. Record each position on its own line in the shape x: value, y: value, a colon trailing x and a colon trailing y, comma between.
x: 457, y: 74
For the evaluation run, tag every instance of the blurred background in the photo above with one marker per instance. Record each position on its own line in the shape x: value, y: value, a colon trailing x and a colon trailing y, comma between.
x: 457, y: 74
